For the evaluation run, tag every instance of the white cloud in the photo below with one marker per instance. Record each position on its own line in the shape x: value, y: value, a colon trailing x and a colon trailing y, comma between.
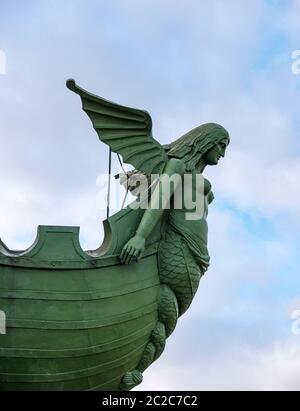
x: 276, y: 368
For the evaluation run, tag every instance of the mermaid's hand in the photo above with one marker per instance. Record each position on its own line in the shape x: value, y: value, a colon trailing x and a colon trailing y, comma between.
x: 134, y: 248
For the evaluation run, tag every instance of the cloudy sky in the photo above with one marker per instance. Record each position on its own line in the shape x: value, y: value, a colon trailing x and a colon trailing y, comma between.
x: 186, y: 62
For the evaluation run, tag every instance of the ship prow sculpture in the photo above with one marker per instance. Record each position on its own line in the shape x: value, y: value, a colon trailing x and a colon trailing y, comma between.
x: 96, y: 320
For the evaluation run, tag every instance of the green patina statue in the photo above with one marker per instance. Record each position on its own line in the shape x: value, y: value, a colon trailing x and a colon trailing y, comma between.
x: 182, y: 254
x: 134, y: 287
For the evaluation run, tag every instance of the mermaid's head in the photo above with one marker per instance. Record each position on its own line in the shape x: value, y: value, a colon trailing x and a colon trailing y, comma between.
x: 206, y: 143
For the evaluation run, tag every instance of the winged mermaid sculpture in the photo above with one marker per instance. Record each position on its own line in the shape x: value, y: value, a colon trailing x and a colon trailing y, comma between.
x: 183, y: 257
x: 96, y: 320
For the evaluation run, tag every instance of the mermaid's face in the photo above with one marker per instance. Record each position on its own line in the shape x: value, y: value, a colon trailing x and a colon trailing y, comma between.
x: 213, y: 155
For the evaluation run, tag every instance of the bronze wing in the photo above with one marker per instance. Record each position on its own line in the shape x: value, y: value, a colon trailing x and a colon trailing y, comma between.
x: 127, y: 131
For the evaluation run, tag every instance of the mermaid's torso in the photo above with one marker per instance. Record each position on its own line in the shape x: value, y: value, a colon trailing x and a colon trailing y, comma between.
x: 189, y: 221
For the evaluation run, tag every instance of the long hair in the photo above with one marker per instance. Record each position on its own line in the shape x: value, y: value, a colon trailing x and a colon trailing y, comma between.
x: 194, y: 144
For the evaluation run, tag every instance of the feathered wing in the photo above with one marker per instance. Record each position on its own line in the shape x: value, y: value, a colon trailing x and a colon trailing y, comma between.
x: 127, y: 131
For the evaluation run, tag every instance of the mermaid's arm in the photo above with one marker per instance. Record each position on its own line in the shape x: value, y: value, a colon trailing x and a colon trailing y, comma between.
x: 160, y: 200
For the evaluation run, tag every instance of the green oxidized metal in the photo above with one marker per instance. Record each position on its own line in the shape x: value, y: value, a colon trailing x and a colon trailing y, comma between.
x: 95, y: 320
x: 75, y: 320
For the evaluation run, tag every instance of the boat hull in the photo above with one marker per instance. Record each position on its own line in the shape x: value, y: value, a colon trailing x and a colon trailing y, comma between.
x: 74, y: 321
